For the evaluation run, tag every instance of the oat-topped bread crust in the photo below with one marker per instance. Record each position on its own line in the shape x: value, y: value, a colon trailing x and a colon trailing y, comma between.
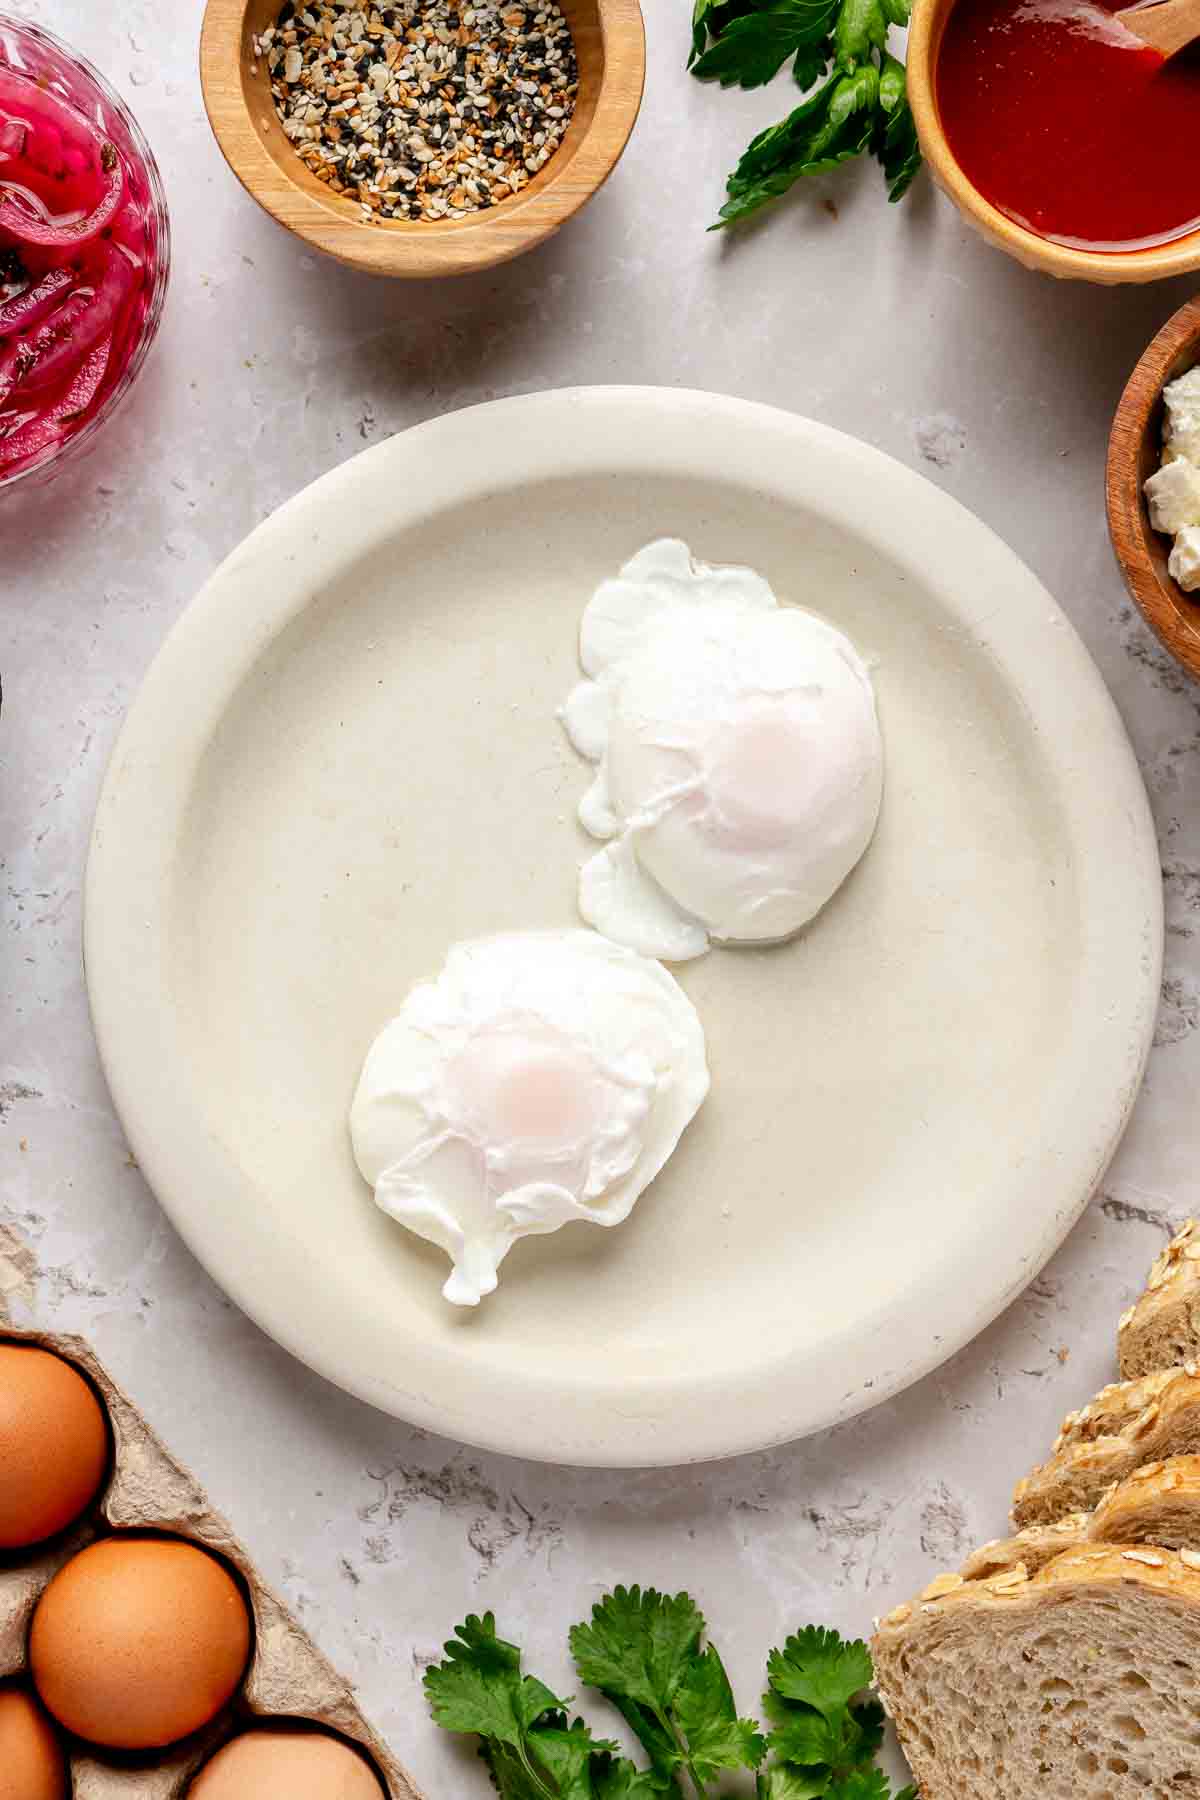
x: 1029, y: 1550
x: 1142, y: 1430
x: 1073, y: 1685
x: 1159, y: 1504
x: 1163, y: 1328
x: 1113, y: 1407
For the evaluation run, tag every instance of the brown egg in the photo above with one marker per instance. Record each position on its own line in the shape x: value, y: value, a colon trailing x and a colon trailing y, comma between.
x: 139, y: 1641
x: 53, y: 1445
x: 286, y: 1763
x: 32, y: 1764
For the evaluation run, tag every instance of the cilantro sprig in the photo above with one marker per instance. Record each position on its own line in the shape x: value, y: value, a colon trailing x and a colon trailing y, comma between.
x: 856, y: 94
x: 530, y: 1749
x: 643, y: 1651
x: 648, y: 1656
x: 825, y: 1731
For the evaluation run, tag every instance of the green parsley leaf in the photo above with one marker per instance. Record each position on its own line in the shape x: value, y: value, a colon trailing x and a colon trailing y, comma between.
x: 820, y: 1669
x: 810, y: 1739
x: 646, y: 1652
x: 896, y: 146
x: 642, y: 1650
x: 812, y: 61
x: 784, y: 1782
x: 637, y: 1650
x: 847, y: 1737
x: 821, y: 1731
x: 856, y: 92
x: 711, y: 17
x: 861, y: 27
x: 868, y: 1716
x: 530, y: 1749
x: 479, y: 1688
x: 639, y: 1645
x: 832, y: 126
x: 862, y: 107
x: 751, y: 50
x: 566, y: 1753
x: 614, y: 1779
x: 707, y: 1715
x: 701, y: 13
x: 655, y: 1736
x: 511, y: 1777
x: 865, y: 1784
x: 777, y: 145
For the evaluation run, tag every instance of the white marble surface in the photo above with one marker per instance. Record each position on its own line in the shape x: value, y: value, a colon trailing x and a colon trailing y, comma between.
x: 894, y: 324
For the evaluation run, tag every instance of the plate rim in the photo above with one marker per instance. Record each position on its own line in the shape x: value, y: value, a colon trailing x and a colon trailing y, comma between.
x: 584, y: 429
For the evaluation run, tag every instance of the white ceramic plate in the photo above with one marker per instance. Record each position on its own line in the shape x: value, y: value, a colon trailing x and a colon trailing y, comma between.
x: 346, y: 756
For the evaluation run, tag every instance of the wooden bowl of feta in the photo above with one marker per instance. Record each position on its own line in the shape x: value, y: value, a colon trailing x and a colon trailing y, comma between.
x: 1153, y: 485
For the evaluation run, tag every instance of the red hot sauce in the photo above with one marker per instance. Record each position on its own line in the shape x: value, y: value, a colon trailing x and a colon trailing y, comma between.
x: 1062, y: 119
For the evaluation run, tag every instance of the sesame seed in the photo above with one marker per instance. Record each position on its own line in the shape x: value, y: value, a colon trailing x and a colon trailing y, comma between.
x: 426, y: 109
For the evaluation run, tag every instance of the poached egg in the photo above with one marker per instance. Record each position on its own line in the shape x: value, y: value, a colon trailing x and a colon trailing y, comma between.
x: 543, y: 1077
x: 739, y: 758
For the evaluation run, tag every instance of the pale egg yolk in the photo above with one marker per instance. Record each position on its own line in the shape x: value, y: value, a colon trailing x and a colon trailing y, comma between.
x: 542, y: 1079
x: 524, y: 1087
x: 752, y: 780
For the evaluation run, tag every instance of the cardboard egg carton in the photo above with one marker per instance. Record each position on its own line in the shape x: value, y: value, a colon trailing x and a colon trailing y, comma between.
x: 148, y: 1490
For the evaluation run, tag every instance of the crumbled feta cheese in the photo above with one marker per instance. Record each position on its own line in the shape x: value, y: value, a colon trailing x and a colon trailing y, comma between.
x: 1173, y: 493
x: 1184, y: 563
x: 1182, y: 428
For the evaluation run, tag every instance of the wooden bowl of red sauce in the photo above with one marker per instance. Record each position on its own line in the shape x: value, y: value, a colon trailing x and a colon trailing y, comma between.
x: 1134, y: 453
x: 1059, y: 136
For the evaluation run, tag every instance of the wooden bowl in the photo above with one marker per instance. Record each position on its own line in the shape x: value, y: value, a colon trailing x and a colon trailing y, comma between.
x: 610, y: 42
x: 1134, y: 452
x: 1106, y: 267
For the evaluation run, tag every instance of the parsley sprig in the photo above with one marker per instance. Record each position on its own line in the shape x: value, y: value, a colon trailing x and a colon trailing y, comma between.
x: 858, y: 103
x: 647, y: 1654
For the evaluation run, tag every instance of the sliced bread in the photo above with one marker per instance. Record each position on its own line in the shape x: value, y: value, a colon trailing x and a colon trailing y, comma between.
x: 1163, y: 1328
x: 1076, y: 1684
x: 1159, y: 1504
x: 1146, y: 1421
x: 1113, y: 1407
x: 1029, y: 1550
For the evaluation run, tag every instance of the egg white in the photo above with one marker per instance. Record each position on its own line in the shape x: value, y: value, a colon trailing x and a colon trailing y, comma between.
x: 543, y: 1077
x: 740, y: 762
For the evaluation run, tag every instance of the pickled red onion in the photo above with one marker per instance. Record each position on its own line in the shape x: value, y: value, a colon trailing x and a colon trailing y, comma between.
x: 13, y: 136
x: 26, y: 309
x: 19, y: 220
x: 51, y: 351
x: 87, y: 315
x: 79, y: 262
x: 15, y: 364
x: 29, y: 438
x: 49, y: 119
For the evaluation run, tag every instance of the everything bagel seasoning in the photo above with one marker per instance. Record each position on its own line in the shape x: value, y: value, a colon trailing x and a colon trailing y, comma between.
x: 429, y: 109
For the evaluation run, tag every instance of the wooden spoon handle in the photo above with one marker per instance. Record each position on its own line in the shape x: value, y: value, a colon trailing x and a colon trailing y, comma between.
x: 1167, y: 27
